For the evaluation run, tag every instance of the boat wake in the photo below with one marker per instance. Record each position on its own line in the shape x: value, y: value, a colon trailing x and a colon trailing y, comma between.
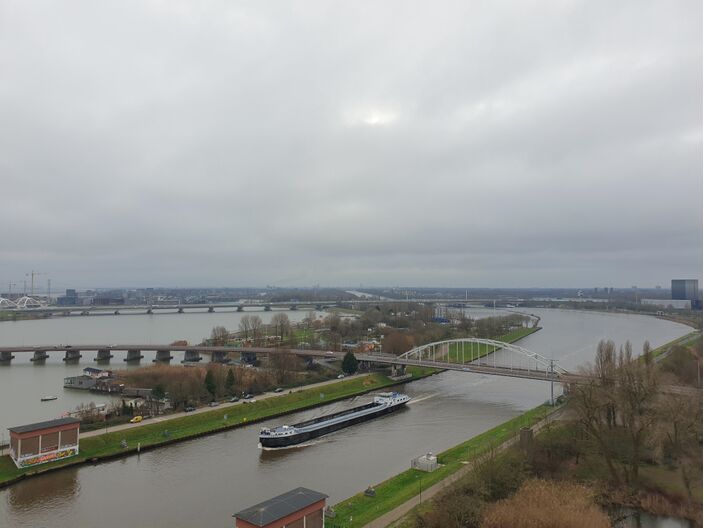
x: 417, y: 400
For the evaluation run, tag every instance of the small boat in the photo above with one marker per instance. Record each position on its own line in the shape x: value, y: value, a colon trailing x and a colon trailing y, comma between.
x: 49, y: 398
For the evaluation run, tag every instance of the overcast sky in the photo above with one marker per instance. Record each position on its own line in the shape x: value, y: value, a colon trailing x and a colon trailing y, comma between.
x: 469, y: 143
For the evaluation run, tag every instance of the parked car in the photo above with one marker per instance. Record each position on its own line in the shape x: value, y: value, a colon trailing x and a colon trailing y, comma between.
x: 189, y: 409
x: 234, y: 399
x: 340, y: 376
x: 213, y: 404
x: 278, y: 389
x: 136, y: 419
x: 248, y: 396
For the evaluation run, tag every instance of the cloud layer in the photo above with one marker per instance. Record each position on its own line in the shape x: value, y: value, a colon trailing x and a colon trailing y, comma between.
x: 246, y: 143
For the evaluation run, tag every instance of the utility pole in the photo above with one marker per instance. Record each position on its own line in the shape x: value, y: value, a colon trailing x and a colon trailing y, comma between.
x: 48, y: 288
x: 10, y: 285
x: 31, y: 274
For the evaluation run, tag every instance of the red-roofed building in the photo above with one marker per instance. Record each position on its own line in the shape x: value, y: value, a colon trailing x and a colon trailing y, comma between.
x: 43, y: 442
x: 298, y: 508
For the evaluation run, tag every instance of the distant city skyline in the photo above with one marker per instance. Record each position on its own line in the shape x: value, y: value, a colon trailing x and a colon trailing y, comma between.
x: 474, y: 144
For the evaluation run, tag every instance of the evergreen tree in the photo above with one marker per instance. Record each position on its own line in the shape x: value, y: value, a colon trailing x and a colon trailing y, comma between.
x: 349, y: 363
x: 210, y: 383
x: 230, y: 382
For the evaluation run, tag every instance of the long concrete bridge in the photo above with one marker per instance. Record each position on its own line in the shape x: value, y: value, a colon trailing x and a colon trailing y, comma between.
x: 240, y: 306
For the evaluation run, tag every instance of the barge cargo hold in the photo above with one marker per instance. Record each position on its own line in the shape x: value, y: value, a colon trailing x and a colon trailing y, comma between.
x: 288, y: 435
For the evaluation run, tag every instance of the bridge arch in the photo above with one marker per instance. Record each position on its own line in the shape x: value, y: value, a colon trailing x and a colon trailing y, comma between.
x: 478, y: 351
x: 27, y: 302
x: 7, y: 303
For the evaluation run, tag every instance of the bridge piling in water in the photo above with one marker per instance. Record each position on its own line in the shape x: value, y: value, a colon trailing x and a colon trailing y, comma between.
x: 133, y: 354
x: 6, y: 357
x: 219, y: 356
x: 39, y: 356
x: 72, y: 356
x: 191, y: 356
x: 163, y: 356
x: 104, y: 355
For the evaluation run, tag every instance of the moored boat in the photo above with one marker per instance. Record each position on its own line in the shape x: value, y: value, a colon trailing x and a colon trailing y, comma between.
x: 288, y: 435
x: 49, y: 398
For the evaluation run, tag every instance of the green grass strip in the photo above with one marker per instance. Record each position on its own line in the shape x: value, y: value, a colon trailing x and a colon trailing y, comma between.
x: 360, y: 509
x: 684, y: 340
x: 479, y: 350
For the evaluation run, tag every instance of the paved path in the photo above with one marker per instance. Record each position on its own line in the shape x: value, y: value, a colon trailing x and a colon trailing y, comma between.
x: 227, y: 405
x: 400, y: 511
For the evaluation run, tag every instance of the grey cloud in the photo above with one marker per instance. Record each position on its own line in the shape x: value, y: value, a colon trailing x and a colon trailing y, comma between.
x: 460, y: 143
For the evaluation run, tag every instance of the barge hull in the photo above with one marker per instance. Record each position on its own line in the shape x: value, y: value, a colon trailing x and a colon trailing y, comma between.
x: 309, y: 435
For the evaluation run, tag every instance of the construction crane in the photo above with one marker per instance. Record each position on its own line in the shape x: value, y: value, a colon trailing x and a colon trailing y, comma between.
x: 33, y: 274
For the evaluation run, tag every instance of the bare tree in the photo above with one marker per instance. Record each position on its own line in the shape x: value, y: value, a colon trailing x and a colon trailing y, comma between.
x: 256, y: 327
x: 282, y: 365
x: 636, y: 392
x: 281, y: 325
x: 219, y: 335
x: 245, y: 326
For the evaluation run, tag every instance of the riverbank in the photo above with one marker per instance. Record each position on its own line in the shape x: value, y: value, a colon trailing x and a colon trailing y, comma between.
x: 107, y: 446
x: 360, y: 510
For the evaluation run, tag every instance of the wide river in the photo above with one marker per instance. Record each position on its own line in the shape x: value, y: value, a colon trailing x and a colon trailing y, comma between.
x: 204, y: 481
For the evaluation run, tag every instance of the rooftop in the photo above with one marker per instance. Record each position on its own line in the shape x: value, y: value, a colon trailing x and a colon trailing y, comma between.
x: 278, y: 507
x: 43, y: 425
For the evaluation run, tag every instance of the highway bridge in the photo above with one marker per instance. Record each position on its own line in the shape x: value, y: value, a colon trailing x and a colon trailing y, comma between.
x: 239, y: 306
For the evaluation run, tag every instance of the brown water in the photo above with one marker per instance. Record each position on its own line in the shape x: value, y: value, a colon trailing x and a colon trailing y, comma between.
x: 203, y: 482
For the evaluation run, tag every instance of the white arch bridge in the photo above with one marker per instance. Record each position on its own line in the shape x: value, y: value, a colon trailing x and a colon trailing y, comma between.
x: 480, y: 356
x: 483, y: 356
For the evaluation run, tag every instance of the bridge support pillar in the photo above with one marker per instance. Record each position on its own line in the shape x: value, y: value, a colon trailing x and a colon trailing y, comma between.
x: 267, y: 308
x: 163, y: 356
x: 150, y: 311
x: 6, y: 357
x: 191, y: 356
x: 250, y: 358
x: 133, y: 354
x: 116, y: 312
x: 180, y: 310
x: 72, y: 356
x: 219, y: 356
x: 211, y: 309
x: 398, y: 370
x: 319, y: 307
x: 104, y: 355
x: 39, y: 355
x: 85, y: 312
x: 294, y: 307
x: 240, y: 308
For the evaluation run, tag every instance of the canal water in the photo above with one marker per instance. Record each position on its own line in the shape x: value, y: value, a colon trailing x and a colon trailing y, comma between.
x: 204, y: 481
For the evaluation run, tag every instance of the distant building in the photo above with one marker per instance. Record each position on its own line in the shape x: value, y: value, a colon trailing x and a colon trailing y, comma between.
x: 685, y: 289
x: 43, y: 442
x: 298, y: 508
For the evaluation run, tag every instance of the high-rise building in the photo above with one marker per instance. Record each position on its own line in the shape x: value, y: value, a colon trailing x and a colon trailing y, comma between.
x: 687, y: 289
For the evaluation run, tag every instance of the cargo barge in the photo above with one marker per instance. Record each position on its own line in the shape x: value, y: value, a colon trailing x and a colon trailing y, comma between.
x: 288, y: 435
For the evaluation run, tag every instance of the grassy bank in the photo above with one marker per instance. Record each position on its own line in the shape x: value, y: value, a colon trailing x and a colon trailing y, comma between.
x: 457, y: 353
x: 192, y: 426
x: 404, y: 486
x: 681, y: 341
